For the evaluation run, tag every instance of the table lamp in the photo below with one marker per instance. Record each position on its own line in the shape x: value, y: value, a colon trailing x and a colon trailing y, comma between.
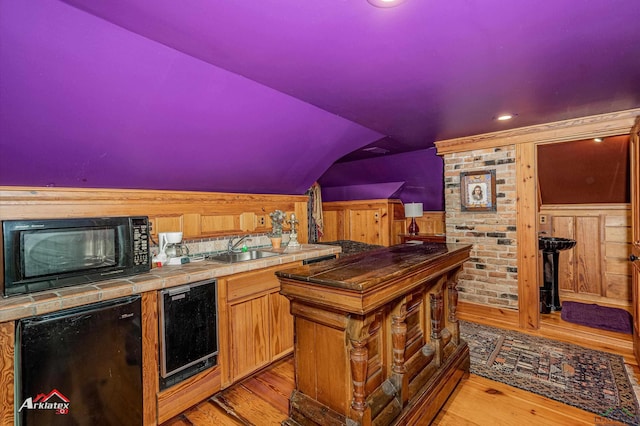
x: 413, y: 210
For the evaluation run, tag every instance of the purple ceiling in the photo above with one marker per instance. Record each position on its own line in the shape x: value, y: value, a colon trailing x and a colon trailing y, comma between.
x: 265, y: 95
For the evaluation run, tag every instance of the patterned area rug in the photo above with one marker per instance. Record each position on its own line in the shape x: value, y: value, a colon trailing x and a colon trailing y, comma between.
x: 590, y: 380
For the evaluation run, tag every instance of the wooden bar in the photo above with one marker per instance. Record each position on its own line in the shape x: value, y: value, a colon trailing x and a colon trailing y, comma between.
x: 377, y: 337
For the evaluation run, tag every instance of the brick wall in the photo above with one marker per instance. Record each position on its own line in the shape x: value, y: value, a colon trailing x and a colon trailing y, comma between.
x: 490, y: 276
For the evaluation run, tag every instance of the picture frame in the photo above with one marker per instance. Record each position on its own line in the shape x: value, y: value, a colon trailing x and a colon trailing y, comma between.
x: 478, y: 191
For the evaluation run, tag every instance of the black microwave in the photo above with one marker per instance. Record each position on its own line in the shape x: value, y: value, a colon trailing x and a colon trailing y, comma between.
x: 43, y: 254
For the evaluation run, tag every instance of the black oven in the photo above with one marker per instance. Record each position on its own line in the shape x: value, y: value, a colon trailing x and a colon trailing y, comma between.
x: 188, y: 331
x: 43, y: 254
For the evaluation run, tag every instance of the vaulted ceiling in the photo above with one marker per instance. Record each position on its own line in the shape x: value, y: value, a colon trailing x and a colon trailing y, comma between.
x: 265, y: 95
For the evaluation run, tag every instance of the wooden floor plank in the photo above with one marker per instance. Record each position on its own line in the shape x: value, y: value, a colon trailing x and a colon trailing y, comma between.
x: 263, y: 387
x: 210, y: 413
x: 251, y: 407
x: 262, y: 400
x: 480, y: 401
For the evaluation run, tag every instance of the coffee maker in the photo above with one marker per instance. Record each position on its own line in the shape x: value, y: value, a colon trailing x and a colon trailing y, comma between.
x: 172, y: 251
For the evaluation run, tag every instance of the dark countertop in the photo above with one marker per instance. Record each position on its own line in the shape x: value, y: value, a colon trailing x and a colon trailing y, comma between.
x: 363, y: 272
x: 352, y: 247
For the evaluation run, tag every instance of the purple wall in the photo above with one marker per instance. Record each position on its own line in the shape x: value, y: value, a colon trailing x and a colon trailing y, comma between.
x: 85, y: 103
x: 421, y: 171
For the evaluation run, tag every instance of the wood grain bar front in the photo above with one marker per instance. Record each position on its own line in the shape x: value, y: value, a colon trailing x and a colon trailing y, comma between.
x: 377, y: 336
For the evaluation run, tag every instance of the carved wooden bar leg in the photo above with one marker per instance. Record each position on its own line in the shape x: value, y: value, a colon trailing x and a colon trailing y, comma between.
x: 437, y: 314
x: 453, y: 310
x: 399, y: 339
x: 359, y: 357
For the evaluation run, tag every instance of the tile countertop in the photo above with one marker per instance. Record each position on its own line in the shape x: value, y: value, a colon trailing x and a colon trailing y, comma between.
x: 16, y: 307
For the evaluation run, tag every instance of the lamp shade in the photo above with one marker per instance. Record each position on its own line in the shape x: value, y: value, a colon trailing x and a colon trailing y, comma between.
x: 413, y: 210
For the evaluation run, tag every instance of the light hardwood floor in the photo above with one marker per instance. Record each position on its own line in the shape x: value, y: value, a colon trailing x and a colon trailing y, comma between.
x: 262, y: 399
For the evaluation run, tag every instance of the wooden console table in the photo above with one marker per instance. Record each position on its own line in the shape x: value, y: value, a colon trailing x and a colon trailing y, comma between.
x: 427, y: 238
x: 377, y: 337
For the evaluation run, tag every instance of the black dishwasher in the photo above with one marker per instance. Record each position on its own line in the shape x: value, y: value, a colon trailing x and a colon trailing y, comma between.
x: 188, y: 331
x: 81, y: 366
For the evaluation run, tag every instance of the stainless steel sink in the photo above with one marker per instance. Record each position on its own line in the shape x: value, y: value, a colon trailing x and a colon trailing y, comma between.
x: 235, y: 257
x: 551, y: 244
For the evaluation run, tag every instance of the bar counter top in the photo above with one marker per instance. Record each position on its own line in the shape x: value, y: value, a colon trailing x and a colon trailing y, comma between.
x: 370, y: 279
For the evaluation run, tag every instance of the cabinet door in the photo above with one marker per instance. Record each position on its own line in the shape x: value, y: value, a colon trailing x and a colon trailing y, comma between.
x: 249, y: 326
x: 281, y: 326
x: 258, y: 319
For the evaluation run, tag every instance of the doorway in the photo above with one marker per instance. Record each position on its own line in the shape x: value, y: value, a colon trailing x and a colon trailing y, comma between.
x: 584, y: 195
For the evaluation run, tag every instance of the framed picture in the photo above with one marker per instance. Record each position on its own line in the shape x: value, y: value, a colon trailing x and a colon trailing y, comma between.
x: 478, y: 191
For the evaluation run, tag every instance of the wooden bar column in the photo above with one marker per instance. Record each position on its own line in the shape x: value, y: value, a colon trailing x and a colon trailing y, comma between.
x: 437, y: 310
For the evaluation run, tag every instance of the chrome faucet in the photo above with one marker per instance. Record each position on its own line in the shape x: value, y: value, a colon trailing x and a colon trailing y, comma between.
x: 231, y: 247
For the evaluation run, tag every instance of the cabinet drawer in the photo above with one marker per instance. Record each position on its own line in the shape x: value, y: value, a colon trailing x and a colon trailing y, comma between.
x: 252, y: 284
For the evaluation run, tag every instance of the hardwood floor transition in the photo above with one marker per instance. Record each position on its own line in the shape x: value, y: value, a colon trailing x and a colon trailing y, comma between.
x: 262, y: 399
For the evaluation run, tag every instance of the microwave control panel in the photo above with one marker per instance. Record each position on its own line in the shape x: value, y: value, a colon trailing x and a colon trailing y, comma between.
x: 140, y: 228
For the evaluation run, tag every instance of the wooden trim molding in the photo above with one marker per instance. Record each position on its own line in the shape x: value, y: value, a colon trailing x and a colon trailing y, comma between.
x: 615, y: 123
x: 488, y: 315
x: 527, y: 236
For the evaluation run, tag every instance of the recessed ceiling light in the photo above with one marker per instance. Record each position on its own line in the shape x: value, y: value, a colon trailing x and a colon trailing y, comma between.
x: 386, y: 3
x: 504, y: 117
x: 598, y: 139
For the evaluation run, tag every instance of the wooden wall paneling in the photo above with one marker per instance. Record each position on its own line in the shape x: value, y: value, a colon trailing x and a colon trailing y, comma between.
x: 604, y: 247
x: 331, y: 224
x: 171, y: 223
x: 248, y: 221
x: 431, y: 222
x: 587, y: 255
x: 300, y: 209
x: 191, y: 225
x: 215, y: 223
x: 197, y: 214
x: 7, y: 398
x: 618, y: 286
x: 397, y: 228
x: 564, y: 227
x: 365, y: 225
x: 616, y: 255
x: 367, y: 221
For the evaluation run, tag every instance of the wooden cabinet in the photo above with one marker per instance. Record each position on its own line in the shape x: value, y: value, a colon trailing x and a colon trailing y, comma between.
x: 367, y: 221
x: 256, y: 326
